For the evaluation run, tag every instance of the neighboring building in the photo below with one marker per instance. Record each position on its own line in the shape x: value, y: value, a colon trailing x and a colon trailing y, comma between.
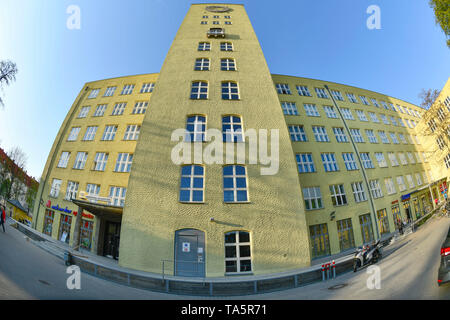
x: 113, y: 161
x: 15, y: 210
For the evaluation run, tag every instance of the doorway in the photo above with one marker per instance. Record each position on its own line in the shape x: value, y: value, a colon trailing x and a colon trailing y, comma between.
x: 112, y: 240
x: 189, y: 253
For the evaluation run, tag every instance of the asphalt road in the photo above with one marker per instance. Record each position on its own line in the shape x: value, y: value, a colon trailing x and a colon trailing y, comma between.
x: 408, y: 270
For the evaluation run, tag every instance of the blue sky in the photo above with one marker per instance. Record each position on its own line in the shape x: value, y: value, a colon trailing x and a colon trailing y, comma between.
x: 326, y: 39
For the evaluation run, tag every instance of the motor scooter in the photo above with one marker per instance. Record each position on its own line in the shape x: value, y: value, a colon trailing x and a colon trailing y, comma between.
x: 364, y: 256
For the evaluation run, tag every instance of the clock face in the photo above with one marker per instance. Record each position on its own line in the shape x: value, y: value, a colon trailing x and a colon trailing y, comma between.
x: 217, y: 9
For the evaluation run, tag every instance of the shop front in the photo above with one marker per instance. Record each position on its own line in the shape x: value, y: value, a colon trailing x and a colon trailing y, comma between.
x: 395, y: 209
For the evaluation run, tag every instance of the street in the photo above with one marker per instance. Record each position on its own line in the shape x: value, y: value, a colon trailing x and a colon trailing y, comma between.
x: 408, y: 270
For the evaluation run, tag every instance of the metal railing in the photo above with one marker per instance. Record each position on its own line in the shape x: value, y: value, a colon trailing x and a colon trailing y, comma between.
x: 176, y: 269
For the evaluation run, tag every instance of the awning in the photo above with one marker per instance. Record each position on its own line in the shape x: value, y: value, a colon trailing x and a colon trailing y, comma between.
x: 104, y: 211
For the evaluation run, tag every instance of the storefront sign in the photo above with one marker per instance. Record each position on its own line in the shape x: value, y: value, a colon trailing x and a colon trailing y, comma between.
x: 394, y: 202
x: 406, y: 197
x: 61, y: 209
x: 84, y: 215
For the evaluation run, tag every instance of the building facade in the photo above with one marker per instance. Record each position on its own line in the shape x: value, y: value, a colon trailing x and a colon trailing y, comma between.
x: 153, y: 163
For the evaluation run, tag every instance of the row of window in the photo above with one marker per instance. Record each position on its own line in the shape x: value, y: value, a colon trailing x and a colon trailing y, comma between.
x: 230, y: 90
x: 206, y: 46
x: 119, y: 108
x: 116, y: 194
x: 215, y: 22
x: 283, y: 88
x: 126, y: 90
x: 311, y: 110
x: 131, y: 133
x: 298, y: 133
x: 305, y: 162
x: 226, y: 64
x: 312, y: 196
x: 217, y: 17
x: 123, y: 162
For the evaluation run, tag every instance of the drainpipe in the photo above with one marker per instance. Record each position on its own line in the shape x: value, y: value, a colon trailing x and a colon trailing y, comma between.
x: 53, y: 157
x: 363, y: 171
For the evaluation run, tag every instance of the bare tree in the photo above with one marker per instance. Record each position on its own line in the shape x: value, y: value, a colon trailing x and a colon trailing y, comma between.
x: 13, y: 173
x: 428, y: 97
x: 8, y: 72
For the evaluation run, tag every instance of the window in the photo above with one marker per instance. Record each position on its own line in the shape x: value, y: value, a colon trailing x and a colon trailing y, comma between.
x: 384, y: 119
x: 385, y: 106
x: 94, y: 94
x: 361, y: 115
x: 338, y: 196
x: 440, y: 142
x: 402, y: 138
x: 419, y: 179
x: 283, y: 88
x: 329, y: 162
x: 402, y: 157
x: 289, y: 108
x: 237, y: 252
x: 110, y: 91
x: 345, y: 234
x: 228, y: 22
x: 93, y: 190
x: 400, y: 122
x: 123, y: 163
x: 390, y: 187
x: 349, y: 161
x: 358, y: 191
x: 329, y: 111
x: 84, y: 112
x: 64, y: 159
x: 235, y: 184
x: 366, y: 161
x: 447, y: 161
x: 303, y: 91
x: 340, y: 135
x: 383, y: 221
x: 351, y: 97
x: 383, y: 137
x: 118, y: 109
x: 90, y: 133
x: 230, y: 90
x: 375, y: 103
x: 410, y: 180
x: 73, y: 134
x: 127, y: 89
x: 204, y: 46
x: 199, y: 90
x: 320, y: 133
x: 440, y: 114
x: 56, y: 186
x: 100, y: 111
x: 394, y: 122
x: 80, y: 160
x: 366, y: 228
x: 109, y: 133
x: 320, y: 242
x: 192, y: 183
x: 375, y: 189
x: 100, y: 161
x: 232, y: 130
x: 203, y: 22
x: 337, y: 95
x: 132, y: 132
x: 312, y: 198
x: 117, y: 196
x: 321, y: 93
x: 140, y: 107
x: 195, y: 128
x: 364, y: 100
x: 392, y: 107
x: 227, y: 64
x: 356, y: 135
x: 373, y: 117
x: 305, y: 163
x: 401, y: 183
x: 393, y: 159
x: 297, y: 133
x: 347, y: 114
x: 147, y: 87
x: 411, y: 157
x: 419, y: 160
x: 226, y: 46
x: 201, y: 64
x: 394, y: 138
x: 311, y: 110
x: 371, y: 136
x: 71, y: 191
x: 216, y: 22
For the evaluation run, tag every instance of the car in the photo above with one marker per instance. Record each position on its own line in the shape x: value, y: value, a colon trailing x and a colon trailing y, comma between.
x: 444, y: 268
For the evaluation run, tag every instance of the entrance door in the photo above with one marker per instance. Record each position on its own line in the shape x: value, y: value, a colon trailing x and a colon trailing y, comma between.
x: 189, y: 253
x: 112, y: 239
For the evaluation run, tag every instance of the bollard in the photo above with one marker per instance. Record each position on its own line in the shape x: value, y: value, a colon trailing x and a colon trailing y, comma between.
x: 334, y: 270
x: 323, y: 272
x: 328, y: 271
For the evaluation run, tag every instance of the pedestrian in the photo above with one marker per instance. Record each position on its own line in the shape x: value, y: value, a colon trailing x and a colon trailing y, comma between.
x: 2, y: 218
x: 400, y: 227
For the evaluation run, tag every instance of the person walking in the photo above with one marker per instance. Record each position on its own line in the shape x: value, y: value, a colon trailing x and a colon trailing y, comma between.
x: 2, y: 218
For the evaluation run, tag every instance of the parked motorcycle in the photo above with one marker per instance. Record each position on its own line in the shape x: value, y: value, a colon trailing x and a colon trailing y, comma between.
x: 367, y: 255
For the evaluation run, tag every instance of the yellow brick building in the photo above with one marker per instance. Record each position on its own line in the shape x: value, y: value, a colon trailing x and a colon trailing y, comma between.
x: 345, y: 156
